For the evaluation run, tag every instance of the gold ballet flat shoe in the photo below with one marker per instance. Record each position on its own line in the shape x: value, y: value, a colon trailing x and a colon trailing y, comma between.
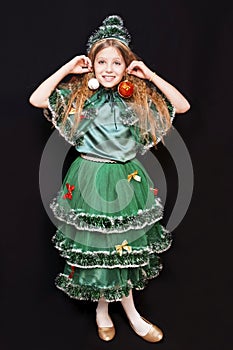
x: 154, y: 335
x: 106, y: 333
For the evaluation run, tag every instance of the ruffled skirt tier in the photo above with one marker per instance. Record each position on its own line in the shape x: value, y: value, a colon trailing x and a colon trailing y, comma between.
x: 109, y: 231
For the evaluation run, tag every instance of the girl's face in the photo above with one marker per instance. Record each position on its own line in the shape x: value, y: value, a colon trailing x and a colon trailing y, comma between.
x: 109, y: 67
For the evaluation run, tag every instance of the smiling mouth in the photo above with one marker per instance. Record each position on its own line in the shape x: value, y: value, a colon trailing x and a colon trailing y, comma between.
x: 108, y: 77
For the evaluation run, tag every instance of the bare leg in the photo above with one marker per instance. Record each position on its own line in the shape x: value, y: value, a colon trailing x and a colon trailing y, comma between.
x: 102, y: 317
x: 140, y: 326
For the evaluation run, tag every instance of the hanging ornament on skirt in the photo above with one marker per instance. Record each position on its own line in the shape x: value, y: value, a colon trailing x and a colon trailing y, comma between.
x: 93, y: 84
x: 125, y: 89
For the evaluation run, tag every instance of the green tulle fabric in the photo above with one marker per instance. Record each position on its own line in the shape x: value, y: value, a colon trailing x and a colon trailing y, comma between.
x: 92, y: 284
x: 107, y: 207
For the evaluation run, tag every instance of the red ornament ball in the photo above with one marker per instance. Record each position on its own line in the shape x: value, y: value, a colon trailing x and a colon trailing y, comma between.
x: 125, y: 89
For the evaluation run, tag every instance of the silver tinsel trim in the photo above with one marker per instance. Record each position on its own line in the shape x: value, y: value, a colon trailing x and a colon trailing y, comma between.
x: 112, y: 28
x: 101, y: 223
x: 79, y: 297
x: 144, y: 148
x: 66, y: 130
x: 67, y: 285
x: 121, y: 266
x: 106, y: 266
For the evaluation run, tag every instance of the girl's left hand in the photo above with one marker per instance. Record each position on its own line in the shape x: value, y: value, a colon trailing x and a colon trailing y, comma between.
x: 139, y: 69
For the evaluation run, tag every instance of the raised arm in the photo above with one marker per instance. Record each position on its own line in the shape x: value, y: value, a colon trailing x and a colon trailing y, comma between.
x: 139, y: 69
x: 78, y: 65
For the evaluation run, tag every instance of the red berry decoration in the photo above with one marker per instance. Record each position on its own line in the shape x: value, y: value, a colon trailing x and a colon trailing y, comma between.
x: 125, y: 89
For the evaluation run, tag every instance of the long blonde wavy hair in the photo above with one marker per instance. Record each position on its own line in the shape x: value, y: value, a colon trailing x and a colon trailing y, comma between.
x: 143, y: 92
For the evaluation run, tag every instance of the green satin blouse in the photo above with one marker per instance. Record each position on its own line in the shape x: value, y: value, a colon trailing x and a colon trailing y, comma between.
x: 107, y: 136
x: 108, y: 125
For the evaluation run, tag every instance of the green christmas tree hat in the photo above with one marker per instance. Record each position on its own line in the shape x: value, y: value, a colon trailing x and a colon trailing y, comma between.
x: 112, y: 28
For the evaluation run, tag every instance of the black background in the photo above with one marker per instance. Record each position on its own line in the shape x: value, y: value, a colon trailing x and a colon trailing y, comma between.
x: 188, y: 44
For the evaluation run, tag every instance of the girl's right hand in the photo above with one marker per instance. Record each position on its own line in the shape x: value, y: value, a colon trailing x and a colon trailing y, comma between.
x: 78, y: 65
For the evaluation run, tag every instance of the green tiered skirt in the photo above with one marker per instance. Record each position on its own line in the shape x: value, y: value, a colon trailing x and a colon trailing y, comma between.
x: 109, y: 230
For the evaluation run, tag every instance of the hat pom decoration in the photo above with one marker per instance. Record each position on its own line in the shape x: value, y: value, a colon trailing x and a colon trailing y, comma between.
x: 93, y: 84
x: 112, y: 28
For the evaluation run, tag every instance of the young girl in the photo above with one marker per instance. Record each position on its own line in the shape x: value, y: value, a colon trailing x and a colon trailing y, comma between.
x: 113, y: 107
